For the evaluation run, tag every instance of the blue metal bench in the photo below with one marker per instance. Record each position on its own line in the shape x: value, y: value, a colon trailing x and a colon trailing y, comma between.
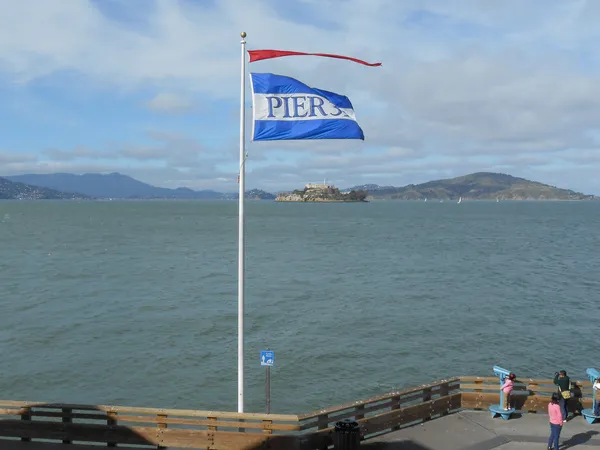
x: 498, y: 410
x: 589, y: 415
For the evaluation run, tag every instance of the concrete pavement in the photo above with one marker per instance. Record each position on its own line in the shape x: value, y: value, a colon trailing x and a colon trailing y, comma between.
x: 476, y: 430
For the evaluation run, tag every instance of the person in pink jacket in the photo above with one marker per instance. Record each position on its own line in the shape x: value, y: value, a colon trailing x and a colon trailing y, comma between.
x: 507, y: 388
x: 556, y: 421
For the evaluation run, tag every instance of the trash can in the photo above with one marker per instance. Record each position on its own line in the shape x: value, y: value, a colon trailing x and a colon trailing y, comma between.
x: 346, y: 435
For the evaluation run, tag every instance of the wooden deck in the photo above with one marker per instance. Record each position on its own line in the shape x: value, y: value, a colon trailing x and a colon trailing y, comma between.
x: 40, y: 426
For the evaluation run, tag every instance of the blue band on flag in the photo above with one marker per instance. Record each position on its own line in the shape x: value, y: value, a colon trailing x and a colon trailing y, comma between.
x: 287, y: 109
x: 271, y: 130
x: 269, y: 83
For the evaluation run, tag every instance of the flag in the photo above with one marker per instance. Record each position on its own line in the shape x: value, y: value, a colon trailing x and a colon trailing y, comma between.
x: 287, y: 109
x: 259, y: 55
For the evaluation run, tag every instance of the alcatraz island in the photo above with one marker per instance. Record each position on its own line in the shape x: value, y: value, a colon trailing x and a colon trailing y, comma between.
x: 322, y: 192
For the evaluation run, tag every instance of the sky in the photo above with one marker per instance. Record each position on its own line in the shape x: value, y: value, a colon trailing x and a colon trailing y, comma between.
x: 151, y: 89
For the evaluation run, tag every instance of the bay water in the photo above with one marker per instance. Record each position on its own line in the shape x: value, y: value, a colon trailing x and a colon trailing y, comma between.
x: 135, y: 302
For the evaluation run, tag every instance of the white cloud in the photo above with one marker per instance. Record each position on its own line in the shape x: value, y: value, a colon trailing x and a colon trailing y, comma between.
x: 166, y: 102
x: 464, y: 84
x: 8, y: 158
x: 80, y: 152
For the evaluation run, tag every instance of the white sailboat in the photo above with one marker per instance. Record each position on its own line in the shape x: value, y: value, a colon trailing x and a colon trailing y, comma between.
x: 459, y: 200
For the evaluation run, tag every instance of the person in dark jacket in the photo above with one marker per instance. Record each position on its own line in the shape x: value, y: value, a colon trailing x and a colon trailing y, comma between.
x: 564, y: 388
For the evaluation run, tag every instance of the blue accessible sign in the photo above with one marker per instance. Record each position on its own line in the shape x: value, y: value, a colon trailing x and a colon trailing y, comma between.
x: 267, y: 358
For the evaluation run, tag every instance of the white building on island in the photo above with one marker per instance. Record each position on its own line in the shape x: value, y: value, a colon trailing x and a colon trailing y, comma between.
x: 319, y: 186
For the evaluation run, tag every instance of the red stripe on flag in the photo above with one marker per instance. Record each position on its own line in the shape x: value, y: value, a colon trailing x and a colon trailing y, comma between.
x: 258, y: 55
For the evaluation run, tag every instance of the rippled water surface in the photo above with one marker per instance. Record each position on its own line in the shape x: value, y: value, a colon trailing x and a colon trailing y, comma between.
x: 136, y: 303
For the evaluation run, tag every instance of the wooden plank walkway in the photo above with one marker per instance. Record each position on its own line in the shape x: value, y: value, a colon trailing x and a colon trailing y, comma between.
x: 476, y: 430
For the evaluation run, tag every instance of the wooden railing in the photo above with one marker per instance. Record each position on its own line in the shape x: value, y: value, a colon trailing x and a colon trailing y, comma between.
x: 530, y: 395
x: 116, y: 426
x: 387, y: 412
x: 23, y: 424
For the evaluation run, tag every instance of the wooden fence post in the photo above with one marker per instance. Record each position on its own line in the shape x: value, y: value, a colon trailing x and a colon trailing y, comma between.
x: 66, y: 418
x: 445, y: 391
x: 396, y: 404
x: 267, y: 426
x: 360, y: 412
x: 322, y: 424
x: 478, y: 396
x: 533, y: 391
x: 212, y: 429
x: 161, y: 426
x: 26, y: 416
x: 427, y: 398
x: 111, y: 421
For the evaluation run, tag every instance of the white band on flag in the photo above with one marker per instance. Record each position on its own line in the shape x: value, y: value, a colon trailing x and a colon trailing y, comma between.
x: 291, y: 107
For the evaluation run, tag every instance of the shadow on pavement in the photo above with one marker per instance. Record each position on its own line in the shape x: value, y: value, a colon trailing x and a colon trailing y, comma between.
x: 404, y: 445
x: 578, y: 439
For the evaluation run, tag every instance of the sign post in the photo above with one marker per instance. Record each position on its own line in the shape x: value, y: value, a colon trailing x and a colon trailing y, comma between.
x: 268, y: 390
x: 267, y: 359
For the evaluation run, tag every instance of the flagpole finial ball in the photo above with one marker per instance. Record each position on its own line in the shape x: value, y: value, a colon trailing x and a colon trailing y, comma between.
x: 243, y: 34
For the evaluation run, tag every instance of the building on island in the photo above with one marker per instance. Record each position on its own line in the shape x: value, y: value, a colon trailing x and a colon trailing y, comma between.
x: 320, y: 186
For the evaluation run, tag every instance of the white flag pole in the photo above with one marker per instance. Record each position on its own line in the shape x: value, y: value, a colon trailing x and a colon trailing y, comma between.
x: 241, y: 229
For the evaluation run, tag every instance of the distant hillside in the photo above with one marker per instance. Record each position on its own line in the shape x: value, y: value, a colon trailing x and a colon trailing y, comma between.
x: 367, y: 188
x: 477, y: 186
x: 119, y: 186
x: 253, y: 194
x: 10, y: 190
x: 114, y: 185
